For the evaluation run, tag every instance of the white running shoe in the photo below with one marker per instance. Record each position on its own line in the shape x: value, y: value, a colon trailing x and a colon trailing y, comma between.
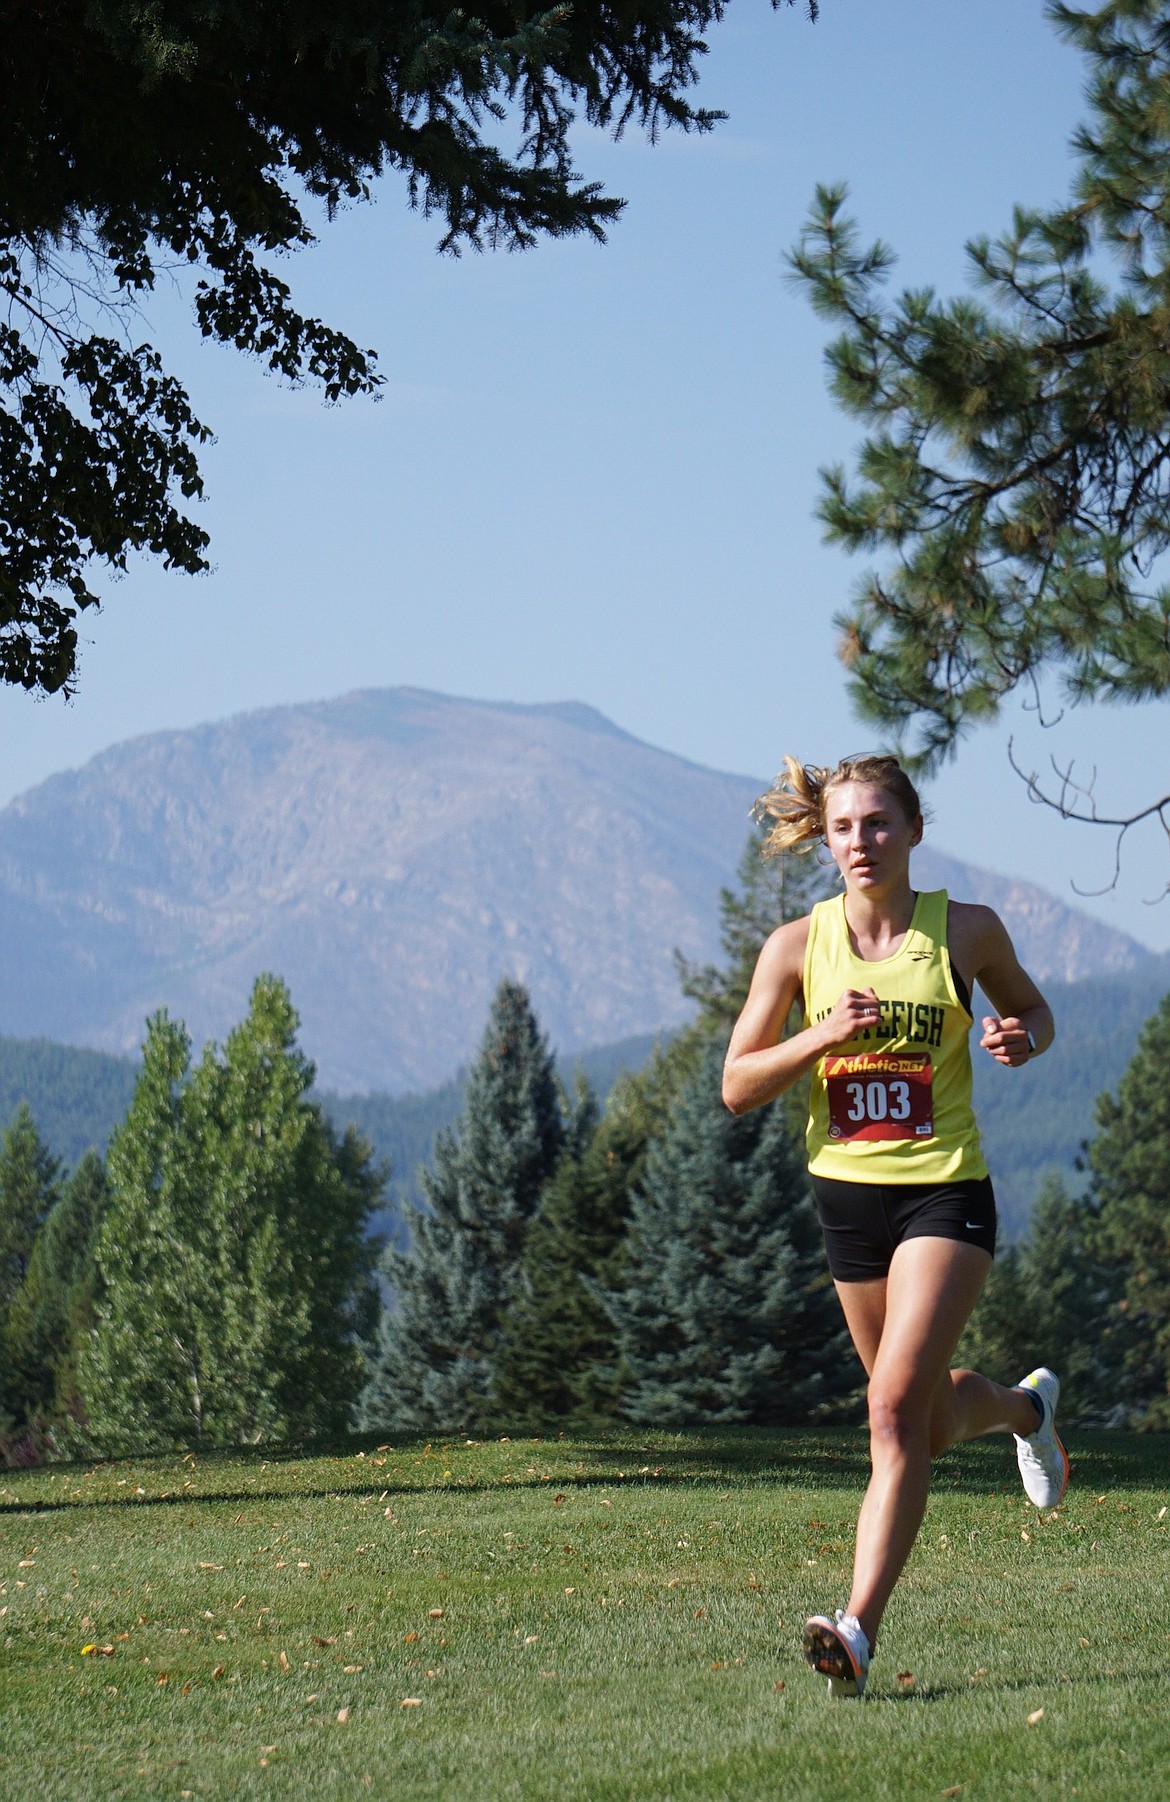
x: 1042, y: 1459
x: 838, y: 1649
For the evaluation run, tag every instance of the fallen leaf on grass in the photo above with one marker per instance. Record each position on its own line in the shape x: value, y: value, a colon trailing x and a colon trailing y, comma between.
x: 435, y: 1614
x: 411, y: 1702
x: 1161, y: 1513
x: 409, y: 1638
x: 956, y: 1789
x: 203, y: 1565
x: 100, y: 1651
x: 906, y: 1679
x: 979, y: 1675
x: 162, y: 1678
x: 779, y: 1684
x: 548, y: 1673
x: 315, y: 1697
x: 219, y: 1670
x: 1085, y: 1643
x: 283, y: 1661
x: 699, y: 1613
x: 349, y: 1669
x: 720, y: 1667
x: 343, y: 1715
x: 318, y: 1641
x: 1036, y: 1715
x: 531, y: 1639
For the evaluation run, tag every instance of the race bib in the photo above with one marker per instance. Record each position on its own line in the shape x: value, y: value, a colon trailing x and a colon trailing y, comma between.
x: 879, y: 1095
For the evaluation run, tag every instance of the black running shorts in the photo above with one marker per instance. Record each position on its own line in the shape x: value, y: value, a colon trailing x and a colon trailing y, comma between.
x: 864, y: 1223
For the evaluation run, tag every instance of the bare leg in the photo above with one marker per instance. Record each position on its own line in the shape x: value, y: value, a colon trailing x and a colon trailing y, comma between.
x: 905, y: 1329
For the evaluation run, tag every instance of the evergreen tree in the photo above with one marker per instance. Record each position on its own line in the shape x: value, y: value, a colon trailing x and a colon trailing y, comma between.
x: 771, y: 891
x: 137, y: 1371
x: 1129, y: 1163
x: 29, y: 1177
x: 1047, y: 1301
x: 235, y: 1268
x: 439, y: 1343
x: 725, y: 1313
x: 1015, y: 474
x: 53, y: 1309
x: 558, y: 1362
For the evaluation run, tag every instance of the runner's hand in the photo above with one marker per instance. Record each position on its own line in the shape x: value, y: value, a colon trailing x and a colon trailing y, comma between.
x: 856, y: 1010
x: 1006, y: 1040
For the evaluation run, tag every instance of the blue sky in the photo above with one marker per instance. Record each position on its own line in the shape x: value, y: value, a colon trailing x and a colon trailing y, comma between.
x: 592, y: 472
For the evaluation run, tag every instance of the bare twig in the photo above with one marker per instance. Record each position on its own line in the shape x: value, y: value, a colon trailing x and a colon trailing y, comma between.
x: 1075, y: 800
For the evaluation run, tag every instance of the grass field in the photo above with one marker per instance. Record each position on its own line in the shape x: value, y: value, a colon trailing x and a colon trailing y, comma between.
x: 553, y: 1618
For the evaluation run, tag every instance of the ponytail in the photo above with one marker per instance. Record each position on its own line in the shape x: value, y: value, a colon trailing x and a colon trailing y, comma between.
x: 796, y: 800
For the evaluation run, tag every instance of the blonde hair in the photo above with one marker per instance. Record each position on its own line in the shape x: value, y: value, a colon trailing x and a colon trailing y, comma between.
x: 796, y: 800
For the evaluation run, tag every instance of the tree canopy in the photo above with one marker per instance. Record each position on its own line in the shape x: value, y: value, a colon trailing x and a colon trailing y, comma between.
x: 434, y: 1366
x: 208, y: 136
x: 1016, y: 469
x: 234, y: 1274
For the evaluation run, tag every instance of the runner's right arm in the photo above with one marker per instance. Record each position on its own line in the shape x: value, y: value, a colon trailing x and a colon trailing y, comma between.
x: 760, y: 1064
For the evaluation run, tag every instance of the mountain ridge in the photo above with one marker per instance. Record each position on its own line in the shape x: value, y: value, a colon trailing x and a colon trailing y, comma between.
x: 391, y: 853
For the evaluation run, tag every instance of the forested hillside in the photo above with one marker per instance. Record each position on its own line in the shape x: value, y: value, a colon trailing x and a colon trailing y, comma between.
x: 1033, y: 1120
x: 76, y: 1097
x: 1036, y: 1119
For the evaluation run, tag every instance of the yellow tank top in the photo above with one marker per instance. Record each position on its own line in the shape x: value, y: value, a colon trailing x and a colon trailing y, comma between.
x: 894, y: 1104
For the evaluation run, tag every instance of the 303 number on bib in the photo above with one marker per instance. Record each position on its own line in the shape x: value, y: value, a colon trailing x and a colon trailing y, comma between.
x: 880, y: 1095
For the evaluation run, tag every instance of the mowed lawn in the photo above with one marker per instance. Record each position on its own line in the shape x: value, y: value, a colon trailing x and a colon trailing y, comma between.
x: 552, y: 1618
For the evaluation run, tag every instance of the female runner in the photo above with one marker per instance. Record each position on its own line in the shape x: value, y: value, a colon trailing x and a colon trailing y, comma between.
x: 885, y: 977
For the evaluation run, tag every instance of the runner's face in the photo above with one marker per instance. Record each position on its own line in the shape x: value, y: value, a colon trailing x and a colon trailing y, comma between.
x: 869, y: 836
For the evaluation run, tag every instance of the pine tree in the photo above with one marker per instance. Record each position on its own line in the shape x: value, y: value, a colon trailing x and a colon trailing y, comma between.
x: 53, y: 1308
x: 138, y: 1372
x: 1047, y: 1301
x: 1014, y: 475
x: 29, y: 1177
x: 771, y: 891
x: 558, y: 1363
x: 725, y: 1313
x: 236, y: 1271
x: 1129, y: 1163
x: 439, y: 1343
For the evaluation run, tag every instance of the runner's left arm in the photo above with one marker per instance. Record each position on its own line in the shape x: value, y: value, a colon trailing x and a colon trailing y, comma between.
x: 1021, y: 1012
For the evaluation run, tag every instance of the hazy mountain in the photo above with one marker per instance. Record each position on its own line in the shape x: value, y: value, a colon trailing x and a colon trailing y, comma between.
x: 391, y: 854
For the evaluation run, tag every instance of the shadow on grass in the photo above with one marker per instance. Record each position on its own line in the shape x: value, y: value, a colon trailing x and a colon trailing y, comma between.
x: 808, y: 1458
x: 1007, y: 1686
